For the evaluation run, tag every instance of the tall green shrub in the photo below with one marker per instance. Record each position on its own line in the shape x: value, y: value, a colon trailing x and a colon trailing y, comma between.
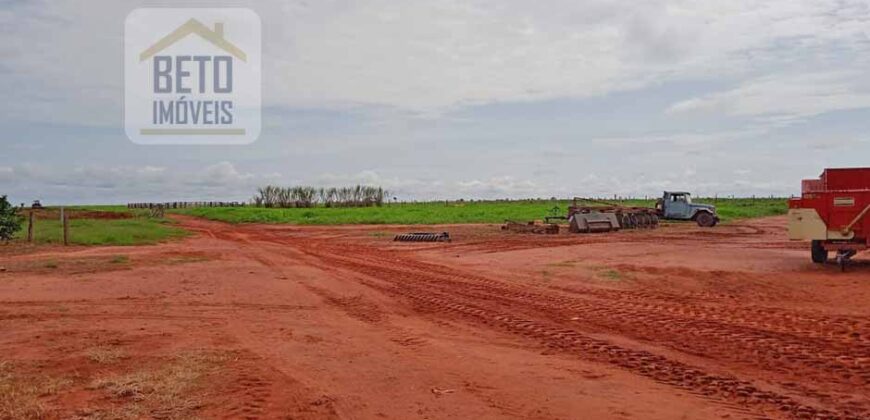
x: 10, y: 221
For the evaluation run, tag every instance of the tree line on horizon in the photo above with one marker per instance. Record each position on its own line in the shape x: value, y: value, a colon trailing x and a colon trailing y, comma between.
x: 272, y: 196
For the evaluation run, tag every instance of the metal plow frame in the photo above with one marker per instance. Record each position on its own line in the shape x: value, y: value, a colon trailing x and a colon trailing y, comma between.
x: 602, y: 216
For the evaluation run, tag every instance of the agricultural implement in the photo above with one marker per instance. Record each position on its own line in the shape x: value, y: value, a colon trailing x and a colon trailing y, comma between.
x: 423, y: 237
x: 833, y: 213
x: 530, y: 227
x: 587, y: 215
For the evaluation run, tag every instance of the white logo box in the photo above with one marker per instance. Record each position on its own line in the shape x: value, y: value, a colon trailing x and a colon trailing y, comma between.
x: 192, y: 76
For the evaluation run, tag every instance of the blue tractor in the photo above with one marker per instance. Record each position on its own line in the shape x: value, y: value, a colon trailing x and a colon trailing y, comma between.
x: 677, y: 205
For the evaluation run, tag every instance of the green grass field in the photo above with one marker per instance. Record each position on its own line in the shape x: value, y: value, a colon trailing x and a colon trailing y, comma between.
x: 132, y: 231
x: 457, y: 212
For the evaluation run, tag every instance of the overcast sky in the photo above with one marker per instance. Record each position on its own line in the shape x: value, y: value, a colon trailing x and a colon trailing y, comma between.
x: 451, y: 99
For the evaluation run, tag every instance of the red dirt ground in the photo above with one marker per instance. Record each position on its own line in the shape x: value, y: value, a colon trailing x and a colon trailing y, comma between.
x: 341, y: 322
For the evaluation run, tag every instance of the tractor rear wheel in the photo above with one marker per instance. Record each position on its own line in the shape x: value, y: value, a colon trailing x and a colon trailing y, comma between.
x: 705, y: 219
x: 819, y: 253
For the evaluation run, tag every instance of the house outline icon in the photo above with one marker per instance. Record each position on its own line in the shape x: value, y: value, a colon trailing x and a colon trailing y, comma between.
x: 193, y: 26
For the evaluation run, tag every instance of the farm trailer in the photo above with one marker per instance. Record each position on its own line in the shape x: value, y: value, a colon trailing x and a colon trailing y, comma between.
x: 588, y: 215
x: 833, y: 213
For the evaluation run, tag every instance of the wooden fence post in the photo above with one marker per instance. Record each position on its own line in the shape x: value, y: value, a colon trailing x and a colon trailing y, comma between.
x: 30, y: 227
x: 66, y: 229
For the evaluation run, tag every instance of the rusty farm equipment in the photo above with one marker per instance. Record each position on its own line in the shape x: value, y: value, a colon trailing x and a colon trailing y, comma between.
x: 422, y: 237
x: 833, y: 212
x: 530, y: 227
x: 589, y: 216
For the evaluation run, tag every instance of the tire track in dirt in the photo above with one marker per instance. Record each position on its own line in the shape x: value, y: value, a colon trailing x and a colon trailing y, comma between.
x: 816, y: 342
x: 495, y: 304
x: 255, y: 390
x: 658, y: 368
x: 354, y: 306
x: 770, y: 335
x: 854, y: 331
x: 784, y: 347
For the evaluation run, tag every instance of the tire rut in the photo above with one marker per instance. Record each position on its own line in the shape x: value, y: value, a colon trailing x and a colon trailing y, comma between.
x: 494, y: 303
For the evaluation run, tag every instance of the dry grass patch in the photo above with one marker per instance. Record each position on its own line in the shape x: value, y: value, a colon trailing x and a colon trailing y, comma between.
x: 71, y: 265
x: 20, y: 394
x: 168, y: 391
x: 187, y: 259
x: 105, y: 355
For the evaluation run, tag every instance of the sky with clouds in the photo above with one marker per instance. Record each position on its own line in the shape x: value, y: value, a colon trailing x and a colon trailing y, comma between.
x: 459, y: 99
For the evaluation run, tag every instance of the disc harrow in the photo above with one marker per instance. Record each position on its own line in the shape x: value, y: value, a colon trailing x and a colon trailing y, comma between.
x: 590, y: 216
x: 423, y: 237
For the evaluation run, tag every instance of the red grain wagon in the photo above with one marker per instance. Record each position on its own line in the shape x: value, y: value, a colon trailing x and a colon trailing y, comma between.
x: 832, y: 212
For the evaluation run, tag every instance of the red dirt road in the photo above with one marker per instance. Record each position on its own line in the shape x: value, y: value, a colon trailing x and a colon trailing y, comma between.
x: 730, y: 322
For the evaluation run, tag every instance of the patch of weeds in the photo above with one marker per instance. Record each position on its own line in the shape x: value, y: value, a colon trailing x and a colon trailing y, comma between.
x: 120, y: 259
x: 50, y: 264
x: 546, y: 275
x: 184, y: 259
x: 167, y: 391
x: 20, y: 394
x: 379, y: 234
x: 610, y: 274
x: 563, y: 264
x: 132, y: 411
x: 105, y: 355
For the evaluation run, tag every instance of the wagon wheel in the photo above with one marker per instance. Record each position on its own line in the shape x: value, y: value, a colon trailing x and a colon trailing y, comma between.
x: 818, y: 252
x: 642, y: 221
x: 705, y: 219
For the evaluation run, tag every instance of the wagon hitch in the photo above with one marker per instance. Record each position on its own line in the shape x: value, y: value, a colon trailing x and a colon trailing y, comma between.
x: 843, y: 256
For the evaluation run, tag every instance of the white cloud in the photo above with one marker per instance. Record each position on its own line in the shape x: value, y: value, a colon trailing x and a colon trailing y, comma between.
x: 221, y: 181
x: 222, y: 174
x: 785, y: 97
x: 394, y: 184
x: 506, y: 186
x: 836, y: 143
x: 430, y: 56
x: 373, y: 63
x: 6, y: 174
x: 680, y: 140
x: 423, y: 55
x: 419, y: 188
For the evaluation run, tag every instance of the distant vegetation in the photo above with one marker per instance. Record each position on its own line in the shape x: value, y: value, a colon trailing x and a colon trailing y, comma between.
x: 10, y: 221
x: 307, y: 197
x: 116, y: 225
x: 106, y: 226
x: 458, y: 212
